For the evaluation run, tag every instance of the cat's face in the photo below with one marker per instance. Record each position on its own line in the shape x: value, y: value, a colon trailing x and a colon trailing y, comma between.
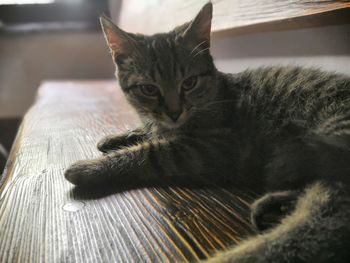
x: 166, y: 77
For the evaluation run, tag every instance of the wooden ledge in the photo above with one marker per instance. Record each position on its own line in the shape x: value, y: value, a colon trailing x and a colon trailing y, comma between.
x: 44, y: 219
x: 233, y: 17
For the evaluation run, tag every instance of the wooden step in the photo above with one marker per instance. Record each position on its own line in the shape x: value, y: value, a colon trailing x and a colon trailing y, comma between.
x: 43, y: 218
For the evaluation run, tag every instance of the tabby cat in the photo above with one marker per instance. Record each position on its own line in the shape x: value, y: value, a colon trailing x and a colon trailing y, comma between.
x: 285, y: 130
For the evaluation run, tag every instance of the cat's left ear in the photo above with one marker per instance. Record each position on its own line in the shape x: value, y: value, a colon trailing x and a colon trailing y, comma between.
x: 199, y: 28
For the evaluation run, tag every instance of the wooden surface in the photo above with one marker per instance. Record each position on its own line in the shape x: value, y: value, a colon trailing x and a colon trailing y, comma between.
x: 237, y: 16
x: 43, y: 218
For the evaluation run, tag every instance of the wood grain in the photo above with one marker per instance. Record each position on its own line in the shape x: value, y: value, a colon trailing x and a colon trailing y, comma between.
x: 43, y: 218
x: 236, y: 16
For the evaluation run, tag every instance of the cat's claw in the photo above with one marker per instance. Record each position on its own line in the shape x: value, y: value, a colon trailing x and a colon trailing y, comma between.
x: 108, y: 143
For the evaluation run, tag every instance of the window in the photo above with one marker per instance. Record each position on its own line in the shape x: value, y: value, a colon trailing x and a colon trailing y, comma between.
x: 49, y: 14
x: 25, y: 2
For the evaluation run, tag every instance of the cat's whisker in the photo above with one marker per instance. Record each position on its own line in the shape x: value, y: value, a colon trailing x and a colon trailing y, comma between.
x: 200, y: 52
x: 194, y: 49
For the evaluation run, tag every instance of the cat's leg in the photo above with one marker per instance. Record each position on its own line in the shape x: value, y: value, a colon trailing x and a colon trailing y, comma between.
x: 154, y: 159
x: 302, y: 160
x: 296, y: 162
x: 318, y: 230
x: 115, y: 142
x: 270, y: 209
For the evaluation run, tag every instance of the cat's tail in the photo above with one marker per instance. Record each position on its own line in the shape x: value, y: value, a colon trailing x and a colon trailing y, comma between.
x: 317, y: 231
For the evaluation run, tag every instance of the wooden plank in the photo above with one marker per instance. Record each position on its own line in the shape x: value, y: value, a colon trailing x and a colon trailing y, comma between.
x: 236, y: 16
x: 43, y: 218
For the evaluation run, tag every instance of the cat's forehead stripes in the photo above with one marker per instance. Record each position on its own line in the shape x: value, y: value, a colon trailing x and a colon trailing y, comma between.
x: 166, y: 64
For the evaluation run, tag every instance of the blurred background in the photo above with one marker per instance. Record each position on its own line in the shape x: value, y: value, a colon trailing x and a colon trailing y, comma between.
x: 61, y: 39
x: 46, y: 40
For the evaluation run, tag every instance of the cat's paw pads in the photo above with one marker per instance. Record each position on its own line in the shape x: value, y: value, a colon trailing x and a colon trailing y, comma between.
x: 84, y: 172
x: 269, y: 210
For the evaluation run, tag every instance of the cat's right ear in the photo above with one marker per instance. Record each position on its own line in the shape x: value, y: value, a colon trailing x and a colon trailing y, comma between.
x: 199, y: 28
x: 119, y: 42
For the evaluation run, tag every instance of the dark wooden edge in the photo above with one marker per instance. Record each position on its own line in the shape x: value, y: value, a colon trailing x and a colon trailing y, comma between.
x: 6, y: 175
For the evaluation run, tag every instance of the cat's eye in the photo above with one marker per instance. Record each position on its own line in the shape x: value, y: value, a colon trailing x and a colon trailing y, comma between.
x: 149, y: 90
x: 189, y: 83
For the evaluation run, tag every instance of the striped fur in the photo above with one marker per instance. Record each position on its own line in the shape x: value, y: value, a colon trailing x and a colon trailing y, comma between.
x: 282, y: 130
x: 238, y: 132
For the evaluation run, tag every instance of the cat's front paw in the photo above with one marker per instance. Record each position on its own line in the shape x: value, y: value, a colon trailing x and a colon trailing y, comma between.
x: 84, y: 173
x: 270, y: 209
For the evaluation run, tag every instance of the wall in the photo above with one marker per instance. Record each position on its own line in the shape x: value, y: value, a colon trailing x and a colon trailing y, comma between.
x: 28, y: 59
x: 324, y: 47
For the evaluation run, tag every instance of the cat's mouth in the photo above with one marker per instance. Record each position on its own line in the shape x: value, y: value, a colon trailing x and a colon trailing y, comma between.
x: 171, y: 124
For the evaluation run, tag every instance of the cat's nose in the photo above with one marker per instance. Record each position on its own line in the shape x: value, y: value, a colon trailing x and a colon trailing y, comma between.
x: 174, y: 115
